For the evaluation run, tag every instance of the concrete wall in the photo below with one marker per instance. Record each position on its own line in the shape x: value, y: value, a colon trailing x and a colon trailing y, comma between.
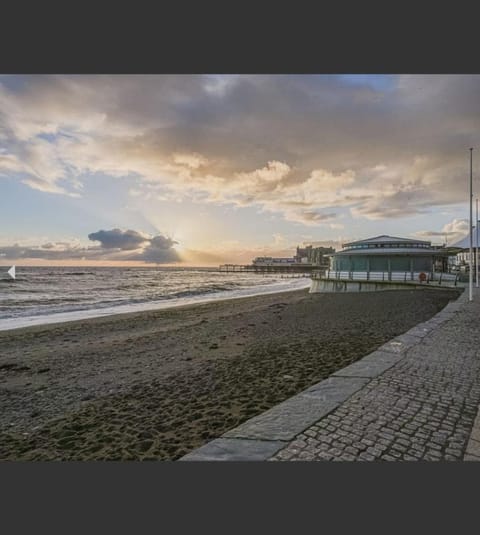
x: 331, y: 286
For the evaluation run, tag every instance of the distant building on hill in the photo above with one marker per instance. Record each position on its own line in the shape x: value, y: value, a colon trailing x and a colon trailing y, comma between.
x: 305, y: 256
x: 316, y: 256
x: 272, y: 261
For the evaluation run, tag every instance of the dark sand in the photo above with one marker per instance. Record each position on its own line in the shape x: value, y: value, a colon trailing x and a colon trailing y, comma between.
x: 155, y: 385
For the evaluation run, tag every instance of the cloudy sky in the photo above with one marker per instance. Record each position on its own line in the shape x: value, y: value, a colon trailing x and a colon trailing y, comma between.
x: 210, y: 169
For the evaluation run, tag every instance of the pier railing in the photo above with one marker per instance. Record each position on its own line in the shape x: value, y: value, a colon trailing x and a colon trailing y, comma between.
x: 445, y: 279
x: 305, y: 269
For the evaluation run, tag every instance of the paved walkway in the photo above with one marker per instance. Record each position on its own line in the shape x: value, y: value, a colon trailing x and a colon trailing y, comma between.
x: 416, y: 398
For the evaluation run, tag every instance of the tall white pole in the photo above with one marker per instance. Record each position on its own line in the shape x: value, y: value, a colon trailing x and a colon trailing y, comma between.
x: 470, y: 270
x: 476, y: 242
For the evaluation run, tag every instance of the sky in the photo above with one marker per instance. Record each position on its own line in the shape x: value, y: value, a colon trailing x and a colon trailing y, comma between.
x: 207, y: 169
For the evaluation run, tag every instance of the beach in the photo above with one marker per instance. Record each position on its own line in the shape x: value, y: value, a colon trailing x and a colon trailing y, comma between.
x: 154, y: 385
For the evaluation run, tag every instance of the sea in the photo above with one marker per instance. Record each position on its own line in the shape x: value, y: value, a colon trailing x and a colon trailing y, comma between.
x: 41, y: 295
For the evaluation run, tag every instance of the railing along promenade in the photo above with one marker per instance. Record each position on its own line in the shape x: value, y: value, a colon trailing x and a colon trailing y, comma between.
x: 414, y: 277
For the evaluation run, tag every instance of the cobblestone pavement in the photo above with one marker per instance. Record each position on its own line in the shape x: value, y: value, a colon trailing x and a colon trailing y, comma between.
x: 423, y: 408
x: 473, y: 447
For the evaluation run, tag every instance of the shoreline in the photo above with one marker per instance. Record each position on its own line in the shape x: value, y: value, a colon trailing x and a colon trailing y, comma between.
x: 134, y: 308
x: 155, y: 385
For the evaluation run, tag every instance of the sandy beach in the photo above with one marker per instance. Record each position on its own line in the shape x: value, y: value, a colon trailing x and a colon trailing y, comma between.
x: 154, y: 385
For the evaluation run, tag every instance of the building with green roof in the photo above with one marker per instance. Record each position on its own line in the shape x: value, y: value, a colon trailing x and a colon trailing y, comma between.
x: 384, y: 262
x: 389, y: 254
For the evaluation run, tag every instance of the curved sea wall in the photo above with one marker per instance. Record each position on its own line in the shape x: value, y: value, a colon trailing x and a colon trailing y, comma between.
x: 331, y: 286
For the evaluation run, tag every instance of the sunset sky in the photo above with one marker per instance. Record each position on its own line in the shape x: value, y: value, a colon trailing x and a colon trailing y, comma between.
x: 221, y: 168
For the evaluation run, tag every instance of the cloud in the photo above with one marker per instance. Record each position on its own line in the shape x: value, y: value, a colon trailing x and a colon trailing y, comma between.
x: 125, y: 240
x: 298, y: 146
x: 310, y: 216
x: 115, y: 245
x: 457, y: 226
x: 190, y: 160
x: 452, y: 232
x: 159, y: 250
x: 51, y: 251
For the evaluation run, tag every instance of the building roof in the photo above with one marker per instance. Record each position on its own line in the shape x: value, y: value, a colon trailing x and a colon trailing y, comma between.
x: 385, y: 239
x: 464, y: 243
x: 405, y: 251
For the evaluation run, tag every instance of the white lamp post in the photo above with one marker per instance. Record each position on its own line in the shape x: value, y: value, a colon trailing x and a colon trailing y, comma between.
x: 476, y: 248
x: 470, y: 271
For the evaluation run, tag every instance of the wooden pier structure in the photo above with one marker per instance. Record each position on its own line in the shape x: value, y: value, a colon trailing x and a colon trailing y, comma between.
x: 293, y: 269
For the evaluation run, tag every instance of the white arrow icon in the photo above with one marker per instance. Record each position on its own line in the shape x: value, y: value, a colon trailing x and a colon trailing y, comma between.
x: 11, y: 272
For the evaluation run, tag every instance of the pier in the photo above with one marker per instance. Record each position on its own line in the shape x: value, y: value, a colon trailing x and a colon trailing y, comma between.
x: 292, y: 269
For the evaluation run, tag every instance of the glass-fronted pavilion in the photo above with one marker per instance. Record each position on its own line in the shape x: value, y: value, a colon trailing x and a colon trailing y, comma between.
x: 389, y: 254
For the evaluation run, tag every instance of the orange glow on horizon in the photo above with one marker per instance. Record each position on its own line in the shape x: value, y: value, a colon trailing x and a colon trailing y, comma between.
x: 99, y: 263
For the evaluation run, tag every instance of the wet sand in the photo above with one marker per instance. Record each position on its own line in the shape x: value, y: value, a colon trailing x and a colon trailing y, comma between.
x: 154, y: 385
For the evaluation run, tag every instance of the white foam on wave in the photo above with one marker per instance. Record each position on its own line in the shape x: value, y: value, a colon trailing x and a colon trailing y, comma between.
x: 61, y: 317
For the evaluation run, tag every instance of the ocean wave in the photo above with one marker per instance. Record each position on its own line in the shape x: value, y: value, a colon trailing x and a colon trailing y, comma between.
x: 98, y: 309
x: 75, y: 273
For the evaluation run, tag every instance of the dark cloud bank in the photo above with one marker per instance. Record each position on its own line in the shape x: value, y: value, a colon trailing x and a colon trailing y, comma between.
x: 115, y: 244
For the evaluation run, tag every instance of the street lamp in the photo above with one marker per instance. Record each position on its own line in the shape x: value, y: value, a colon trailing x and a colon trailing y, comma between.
x: 476, y: 243
x: 470, y: 271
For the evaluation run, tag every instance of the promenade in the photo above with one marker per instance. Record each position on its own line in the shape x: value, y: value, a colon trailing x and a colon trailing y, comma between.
x: 415, y: 398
